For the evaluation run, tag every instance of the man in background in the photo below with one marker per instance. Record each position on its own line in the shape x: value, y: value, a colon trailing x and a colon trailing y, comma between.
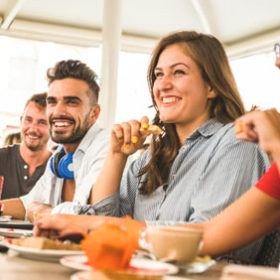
x: 23, y: 164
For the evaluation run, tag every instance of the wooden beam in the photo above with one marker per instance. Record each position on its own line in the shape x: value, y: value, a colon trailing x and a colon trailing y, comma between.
x: 11, y: 13
x: 203, y: 17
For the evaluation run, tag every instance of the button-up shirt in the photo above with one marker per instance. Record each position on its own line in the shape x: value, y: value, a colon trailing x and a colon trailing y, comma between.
x: 88, y: 160
x: 211, y: 170
x: 15, y: 170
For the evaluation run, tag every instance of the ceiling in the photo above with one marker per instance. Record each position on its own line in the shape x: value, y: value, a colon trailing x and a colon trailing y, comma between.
x: 243, y: 26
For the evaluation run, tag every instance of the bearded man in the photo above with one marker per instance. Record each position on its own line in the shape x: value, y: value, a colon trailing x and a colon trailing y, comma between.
x: 72, y: 111
x: 21, y: 165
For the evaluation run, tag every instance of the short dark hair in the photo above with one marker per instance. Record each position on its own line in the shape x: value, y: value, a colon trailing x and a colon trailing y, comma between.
x: 77, y: 70
x: 40, y: 99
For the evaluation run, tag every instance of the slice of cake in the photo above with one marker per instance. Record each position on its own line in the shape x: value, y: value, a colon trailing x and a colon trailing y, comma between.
x: 45, y: 243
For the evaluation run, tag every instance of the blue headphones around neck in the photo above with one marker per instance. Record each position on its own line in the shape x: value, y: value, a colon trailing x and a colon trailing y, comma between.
x: 61, y: 165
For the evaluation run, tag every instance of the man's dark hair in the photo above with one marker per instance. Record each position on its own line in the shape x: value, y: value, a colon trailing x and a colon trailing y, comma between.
x: 77, y: 70
x: 40, y: 99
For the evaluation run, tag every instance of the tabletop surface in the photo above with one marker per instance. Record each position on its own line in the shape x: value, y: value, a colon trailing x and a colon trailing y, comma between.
x: 15, y: 267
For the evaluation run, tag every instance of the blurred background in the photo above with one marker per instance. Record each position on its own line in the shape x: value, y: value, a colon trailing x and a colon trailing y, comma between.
x: 116, y: 38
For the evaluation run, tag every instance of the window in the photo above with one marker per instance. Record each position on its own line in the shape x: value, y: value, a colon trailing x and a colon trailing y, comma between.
x: 134, y: 98
x: 258, y: 80
x: 24, y: 64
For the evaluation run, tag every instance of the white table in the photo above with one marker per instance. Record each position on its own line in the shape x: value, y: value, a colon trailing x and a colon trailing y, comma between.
x: 14, y: 267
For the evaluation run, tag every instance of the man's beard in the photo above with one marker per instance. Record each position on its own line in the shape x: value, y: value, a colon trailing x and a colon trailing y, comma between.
x: 75, y: 137
x: 34, y: 148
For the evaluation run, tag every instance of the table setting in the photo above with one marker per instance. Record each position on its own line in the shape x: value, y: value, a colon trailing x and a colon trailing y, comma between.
x: 100, y: 252
x: 112, y: 252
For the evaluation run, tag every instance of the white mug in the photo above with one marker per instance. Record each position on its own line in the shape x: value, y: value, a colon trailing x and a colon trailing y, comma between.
x: 172, y: 243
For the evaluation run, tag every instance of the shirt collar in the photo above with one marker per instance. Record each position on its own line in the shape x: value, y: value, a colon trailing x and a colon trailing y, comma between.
x: 88, y: 138
x: 207, y: 129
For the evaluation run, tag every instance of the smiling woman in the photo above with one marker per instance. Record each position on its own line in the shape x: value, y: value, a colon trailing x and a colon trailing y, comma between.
x: 181, y: 95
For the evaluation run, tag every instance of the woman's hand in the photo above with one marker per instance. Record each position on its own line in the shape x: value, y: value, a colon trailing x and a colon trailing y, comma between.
x: 126, y: 138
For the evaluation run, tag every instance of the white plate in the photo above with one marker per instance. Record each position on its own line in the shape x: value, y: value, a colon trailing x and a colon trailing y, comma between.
x: 152, y: 267
x: 198, y: 266
x: 5, y: 218
x: 9, y: 232
x: 139, y: 266
x: 41, y: 254
x: 86, y: 275
x: 76, y: 262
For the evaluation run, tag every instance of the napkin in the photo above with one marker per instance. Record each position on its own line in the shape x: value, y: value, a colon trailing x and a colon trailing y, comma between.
x: 241, y: 272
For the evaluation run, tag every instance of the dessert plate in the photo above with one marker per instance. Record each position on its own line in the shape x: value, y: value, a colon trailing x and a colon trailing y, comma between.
x: 87, y: 275
x: 199, y: 265
x: 138, y: 266
x: 41, y: 254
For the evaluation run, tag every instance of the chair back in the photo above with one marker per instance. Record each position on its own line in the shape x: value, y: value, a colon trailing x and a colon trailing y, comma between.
x: 269, y: 254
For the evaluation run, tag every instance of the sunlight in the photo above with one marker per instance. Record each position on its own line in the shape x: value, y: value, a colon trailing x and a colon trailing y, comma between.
x: 24, y: 64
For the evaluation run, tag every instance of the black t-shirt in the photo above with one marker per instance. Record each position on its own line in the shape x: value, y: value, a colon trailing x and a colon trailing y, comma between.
x: 15, y: 171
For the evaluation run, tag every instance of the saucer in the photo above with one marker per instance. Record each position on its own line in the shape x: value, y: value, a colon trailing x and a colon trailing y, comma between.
x: 137, y: 266
x: 89, y: 275
x: 199, y: 265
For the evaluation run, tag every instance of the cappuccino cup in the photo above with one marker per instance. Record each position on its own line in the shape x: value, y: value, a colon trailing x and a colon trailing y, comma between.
x: 172, y: 243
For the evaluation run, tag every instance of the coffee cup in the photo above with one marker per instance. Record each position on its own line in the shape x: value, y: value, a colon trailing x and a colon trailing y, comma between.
x: 172, y: 243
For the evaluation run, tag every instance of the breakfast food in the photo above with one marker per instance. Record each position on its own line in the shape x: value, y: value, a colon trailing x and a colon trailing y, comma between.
x: 151, y: 129
x: 238, y: 126
x: 45, y: 243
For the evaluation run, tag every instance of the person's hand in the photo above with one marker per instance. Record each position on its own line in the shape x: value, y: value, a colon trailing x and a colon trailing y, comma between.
x: 262, y: 127
x: 126, y: 138
x: 37, y: 210
x: 57, y: 225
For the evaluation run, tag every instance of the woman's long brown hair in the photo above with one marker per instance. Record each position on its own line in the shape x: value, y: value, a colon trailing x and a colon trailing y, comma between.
x: 208, y: 53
